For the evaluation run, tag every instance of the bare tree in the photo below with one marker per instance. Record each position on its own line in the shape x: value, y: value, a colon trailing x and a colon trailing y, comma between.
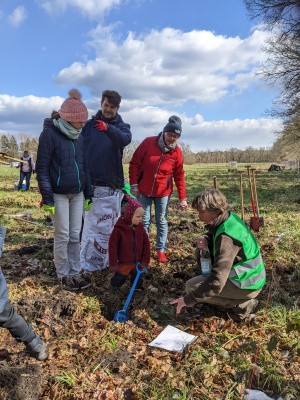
x: 129, y: 150
x: 287, y: 146
x: 282, y: 17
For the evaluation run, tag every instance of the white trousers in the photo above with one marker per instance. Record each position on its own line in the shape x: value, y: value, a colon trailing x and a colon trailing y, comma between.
x: 67, y: 222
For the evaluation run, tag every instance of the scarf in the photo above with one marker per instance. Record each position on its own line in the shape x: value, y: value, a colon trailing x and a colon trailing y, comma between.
x: 66, y: 128
x: 162, y: 145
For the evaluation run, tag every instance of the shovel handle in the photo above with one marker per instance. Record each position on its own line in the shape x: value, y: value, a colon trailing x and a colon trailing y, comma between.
x: 242, y: 195
x: 255, y: 190
x: 251, y: 194
x: 139, y: 272
x: 215, y: 182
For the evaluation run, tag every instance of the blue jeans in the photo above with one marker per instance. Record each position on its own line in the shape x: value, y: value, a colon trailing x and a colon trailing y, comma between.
x: 161, y: 213
x: 27, y: 176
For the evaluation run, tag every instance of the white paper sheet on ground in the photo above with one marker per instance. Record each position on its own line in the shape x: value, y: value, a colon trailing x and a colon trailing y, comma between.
x: 257, y: 395
x: 172, y: 339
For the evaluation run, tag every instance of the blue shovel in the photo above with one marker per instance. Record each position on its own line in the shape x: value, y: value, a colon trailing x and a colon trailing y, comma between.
x: 121, y: 316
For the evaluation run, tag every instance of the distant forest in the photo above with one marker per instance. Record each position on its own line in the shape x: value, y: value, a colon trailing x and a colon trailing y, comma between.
x: 14, y: 145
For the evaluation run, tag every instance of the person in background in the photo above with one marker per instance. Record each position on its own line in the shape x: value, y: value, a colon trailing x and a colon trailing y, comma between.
x: 64, y: 183
x: 14, y: 322
x: 26, y: 169
x: 105, y: 137
x: 128, y: 244
x: 238, y: 272
x: 155, y: 163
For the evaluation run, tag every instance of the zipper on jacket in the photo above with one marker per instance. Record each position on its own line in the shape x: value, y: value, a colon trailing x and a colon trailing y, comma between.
x: 156, y: 174
x: 58, y: 178
x: 78, y: 176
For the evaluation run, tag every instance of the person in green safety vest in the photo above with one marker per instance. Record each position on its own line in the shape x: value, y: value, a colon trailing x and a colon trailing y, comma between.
x: 238, y: 273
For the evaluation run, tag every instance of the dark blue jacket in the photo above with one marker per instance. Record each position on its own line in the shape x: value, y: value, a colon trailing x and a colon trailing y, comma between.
x: 61, y: 165
x: 105, y: 150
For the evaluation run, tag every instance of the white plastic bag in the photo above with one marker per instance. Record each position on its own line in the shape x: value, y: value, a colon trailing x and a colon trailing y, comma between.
x: 98, y: 225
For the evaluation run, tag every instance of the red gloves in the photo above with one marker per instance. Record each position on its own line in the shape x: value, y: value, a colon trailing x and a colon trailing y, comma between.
x: 101, y: 125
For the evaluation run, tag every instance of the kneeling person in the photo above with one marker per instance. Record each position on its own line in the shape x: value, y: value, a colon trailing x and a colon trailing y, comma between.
x: 238, y: 272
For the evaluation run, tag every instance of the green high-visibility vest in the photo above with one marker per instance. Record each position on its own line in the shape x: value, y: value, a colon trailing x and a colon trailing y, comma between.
x: 249, y: 273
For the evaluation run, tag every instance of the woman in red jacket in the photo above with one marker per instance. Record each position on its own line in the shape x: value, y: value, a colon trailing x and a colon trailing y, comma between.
x: 155, y: 163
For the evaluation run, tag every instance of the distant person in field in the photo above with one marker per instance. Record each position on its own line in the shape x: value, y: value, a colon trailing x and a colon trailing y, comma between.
x: 65, y: 186
x: 238, y: 272
x: 26, y: 169
x: 14, y: 323
x: 155, y: 163
x: 128, y: 244
x: 105, y: 137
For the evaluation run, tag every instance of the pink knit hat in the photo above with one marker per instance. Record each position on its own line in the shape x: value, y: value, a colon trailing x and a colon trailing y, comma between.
x: 130, y: 208
x: 73, y: 109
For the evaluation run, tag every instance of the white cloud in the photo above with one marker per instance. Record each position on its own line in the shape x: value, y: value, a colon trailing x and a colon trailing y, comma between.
x: 91, y: 8
x: 237, y: 133
x: 26, y: 115
x: 201, y: 134
x: 20, y: 114
x: 168, y: 66
x: 17, y: 16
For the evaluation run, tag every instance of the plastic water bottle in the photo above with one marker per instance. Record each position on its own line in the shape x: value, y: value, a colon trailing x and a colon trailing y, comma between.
x: 205, y: 261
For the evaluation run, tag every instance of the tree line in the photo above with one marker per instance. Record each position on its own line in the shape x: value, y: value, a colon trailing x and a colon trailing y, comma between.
x: 14, y: 145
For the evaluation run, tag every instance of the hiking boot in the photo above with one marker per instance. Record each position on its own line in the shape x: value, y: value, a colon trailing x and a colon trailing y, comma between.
x: 82, y: 282
x: 161, y: 257
x: 38, y: 349
x: 69, y: 283
x: 241, y: 313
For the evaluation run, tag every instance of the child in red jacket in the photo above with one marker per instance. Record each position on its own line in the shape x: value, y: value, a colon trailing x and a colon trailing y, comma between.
x: 128, y: 244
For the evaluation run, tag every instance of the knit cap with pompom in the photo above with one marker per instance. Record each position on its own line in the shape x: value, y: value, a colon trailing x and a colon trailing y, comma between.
x: 73, y: 109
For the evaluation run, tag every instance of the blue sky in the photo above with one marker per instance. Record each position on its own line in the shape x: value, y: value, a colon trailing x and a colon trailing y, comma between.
x: 195, y: 58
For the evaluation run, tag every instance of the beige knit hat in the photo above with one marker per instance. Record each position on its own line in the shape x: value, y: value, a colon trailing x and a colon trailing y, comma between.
x: 73, y: 109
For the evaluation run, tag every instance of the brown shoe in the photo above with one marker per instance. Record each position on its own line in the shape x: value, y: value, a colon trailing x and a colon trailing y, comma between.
x: 239, y: 313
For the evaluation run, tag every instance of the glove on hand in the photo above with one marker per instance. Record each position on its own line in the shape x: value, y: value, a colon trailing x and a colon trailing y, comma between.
x: 101, y: 125
x: 88, y: 204
x: 50, y: 209
x: 114, y: 268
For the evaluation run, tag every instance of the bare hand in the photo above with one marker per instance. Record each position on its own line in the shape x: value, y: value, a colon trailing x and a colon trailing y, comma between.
x: 182, y: 204
x: 134, y: 190
x: 180, y: 304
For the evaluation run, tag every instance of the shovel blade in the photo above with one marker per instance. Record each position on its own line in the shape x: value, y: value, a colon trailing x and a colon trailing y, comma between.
x: 120, y: 316
x: 254, y: 224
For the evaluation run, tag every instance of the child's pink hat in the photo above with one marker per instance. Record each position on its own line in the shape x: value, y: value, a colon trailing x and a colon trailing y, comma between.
x: 130, y: 208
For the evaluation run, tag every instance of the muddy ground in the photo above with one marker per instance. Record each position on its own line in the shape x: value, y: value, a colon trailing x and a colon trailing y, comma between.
x: 62, y: 318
